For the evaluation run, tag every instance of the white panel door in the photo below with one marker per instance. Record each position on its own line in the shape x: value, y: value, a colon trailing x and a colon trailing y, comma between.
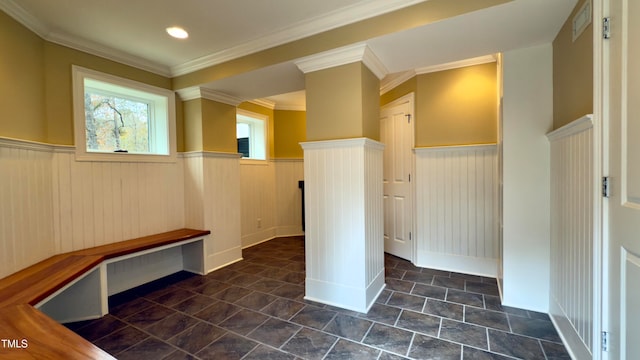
x: 624, y: 168
x: 396, y: 132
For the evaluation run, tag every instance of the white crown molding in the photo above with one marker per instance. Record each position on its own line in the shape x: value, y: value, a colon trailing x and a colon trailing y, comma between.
x: 30, y: 22
x: 457, y: 64
x: 386, y: 86
x: 108, y: 53
x: 264, y: 103
x: 340, y: 17
x: 23, y: 17
x: 291, y: 107
x: 342, y: 56
x: 195, y: 92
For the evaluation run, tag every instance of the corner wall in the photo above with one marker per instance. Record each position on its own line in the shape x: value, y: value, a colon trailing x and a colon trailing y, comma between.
x: 527, y: 118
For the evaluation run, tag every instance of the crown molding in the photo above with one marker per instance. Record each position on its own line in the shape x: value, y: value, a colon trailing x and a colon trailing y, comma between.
x: 386, y: 86
x: 342, y: 56
x: 23, y: 17
x: 291, y: 107
x: 264, y: 103
x: 30, y: 22
x: 457, y: 64
x: 300, y: 30
x: 195, y: 92
x: 108, y: 53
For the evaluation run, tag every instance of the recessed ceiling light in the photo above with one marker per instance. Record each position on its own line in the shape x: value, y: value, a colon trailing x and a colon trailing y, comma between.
x: 177, y: 32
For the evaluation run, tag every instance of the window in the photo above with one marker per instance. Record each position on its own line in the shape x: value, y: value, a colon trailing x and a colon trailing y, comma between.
x: 118, y: 119
x: 251, y: 134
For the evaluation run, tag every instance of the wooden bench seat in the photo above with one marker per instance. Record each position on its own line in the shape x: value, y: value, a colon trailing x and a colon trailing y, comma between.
x: 35, y: 283
x: 21, y: 291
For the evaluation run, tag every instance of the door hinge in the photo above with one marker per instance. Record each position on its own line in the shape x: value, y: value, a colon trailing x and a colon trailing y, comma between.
x: 409, y: 177
x: 409, y: 235
x: 606, y: 28
x: 408, y: 118
x: 606, y: 188
x: 605, y: 341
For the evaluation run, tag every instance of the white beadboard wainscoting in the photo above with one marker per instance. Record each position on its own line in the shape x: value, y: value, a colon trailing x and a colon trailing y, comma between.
x: 212, y: 201
x: 344, y: 222
x: 289, y: 196
x: 270, y: 199
x: 257, y: 201
x: 26, y: 229
x: 572, y: 211
x: 50, y: 203
x: 98, y: 202
x: 457, y: 208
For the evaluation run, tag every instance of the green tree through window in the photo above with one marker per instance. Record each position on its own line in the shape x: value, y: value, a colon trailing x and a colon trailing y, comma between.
x: 116, y: 123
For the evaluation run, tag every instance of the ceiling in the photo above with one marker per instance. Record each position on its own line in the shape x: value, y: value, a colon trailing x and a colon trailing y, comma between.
x: 132, y: 32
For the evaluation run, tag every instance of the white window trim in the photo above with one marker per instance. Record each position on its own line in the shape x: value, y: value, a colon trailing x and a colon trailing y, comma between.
x: 265, y: 119
x: 79, y: 74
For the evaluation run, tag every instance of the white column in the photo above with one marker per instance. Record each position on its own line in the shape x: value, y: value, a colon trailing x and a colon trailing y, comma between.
x: 344, y: 217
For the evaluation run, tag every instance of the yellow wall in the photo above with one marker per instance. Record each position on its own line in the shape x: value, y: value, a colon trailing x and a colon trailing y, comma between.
x: 572, y: 73
x: 36, y: 85
x: 407, y: 87
x: 58, y: 85
x: 457, y: 107
x: 338, y: 104
x: 290, y: 129
x: 22, y: 101
x: 192, y: 117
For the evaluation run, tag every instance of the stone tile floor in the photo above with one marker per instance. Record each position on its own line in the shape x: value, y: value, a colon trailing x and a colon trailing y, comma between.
x: 254, y: 309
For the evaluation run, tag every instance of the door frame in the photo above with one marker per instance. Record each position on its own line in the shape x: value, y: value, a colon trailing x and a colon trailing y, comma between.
x: 600, y: 169
x: 409, y: 98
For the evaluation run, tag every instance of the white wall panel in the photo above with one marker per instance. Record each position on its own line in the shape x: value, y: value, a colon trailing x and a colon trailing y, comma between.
x: 457, y: 208
x: 98, y: 203
x: 571, y: 233
x: 288, y: 202
x: 212, y: 193
x: 26, y: 229
x: 257, y: 201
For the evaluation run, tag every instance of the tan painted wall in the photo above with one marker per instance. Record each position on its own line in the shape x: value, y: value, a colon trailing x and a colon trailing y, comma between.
x: 290, y: 129
x: 407, y: 87
x: 457, y: 107
x: 218, y: 127
x: 572, y: 73
x: 370, y: 104
x: 192, y: 117
x: 36, y: 85
x: 339, y: 106
x: 21, y: 82
x: 58, y: 85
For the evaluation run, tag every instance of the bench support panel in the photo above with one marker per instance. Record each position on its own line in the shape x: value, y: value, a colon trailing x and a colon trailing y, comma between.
x: 79, y: 301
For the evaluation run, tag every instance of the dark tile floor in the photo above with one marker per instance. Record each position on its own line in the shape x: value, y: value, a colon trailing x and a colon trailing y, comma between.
x: 254, y: 309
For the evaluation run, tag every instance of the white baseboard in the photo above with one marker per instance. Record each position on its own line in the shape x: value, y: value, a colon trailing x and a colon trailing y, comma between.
x: 289, y: 230
x: 573, y: 343
x: 258, y: 237
x: 223, y: 258
x: 462, y: 264
x: 343, y: 296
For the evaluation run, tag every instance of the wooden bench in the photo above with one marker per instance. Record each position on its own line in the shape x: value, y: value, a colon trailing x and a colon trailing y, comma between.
x: 77, y: 284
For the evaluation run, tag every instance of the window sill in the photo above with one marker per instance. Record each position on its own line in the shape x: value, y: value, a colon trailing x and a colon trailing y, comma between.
x: 125, y: 157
